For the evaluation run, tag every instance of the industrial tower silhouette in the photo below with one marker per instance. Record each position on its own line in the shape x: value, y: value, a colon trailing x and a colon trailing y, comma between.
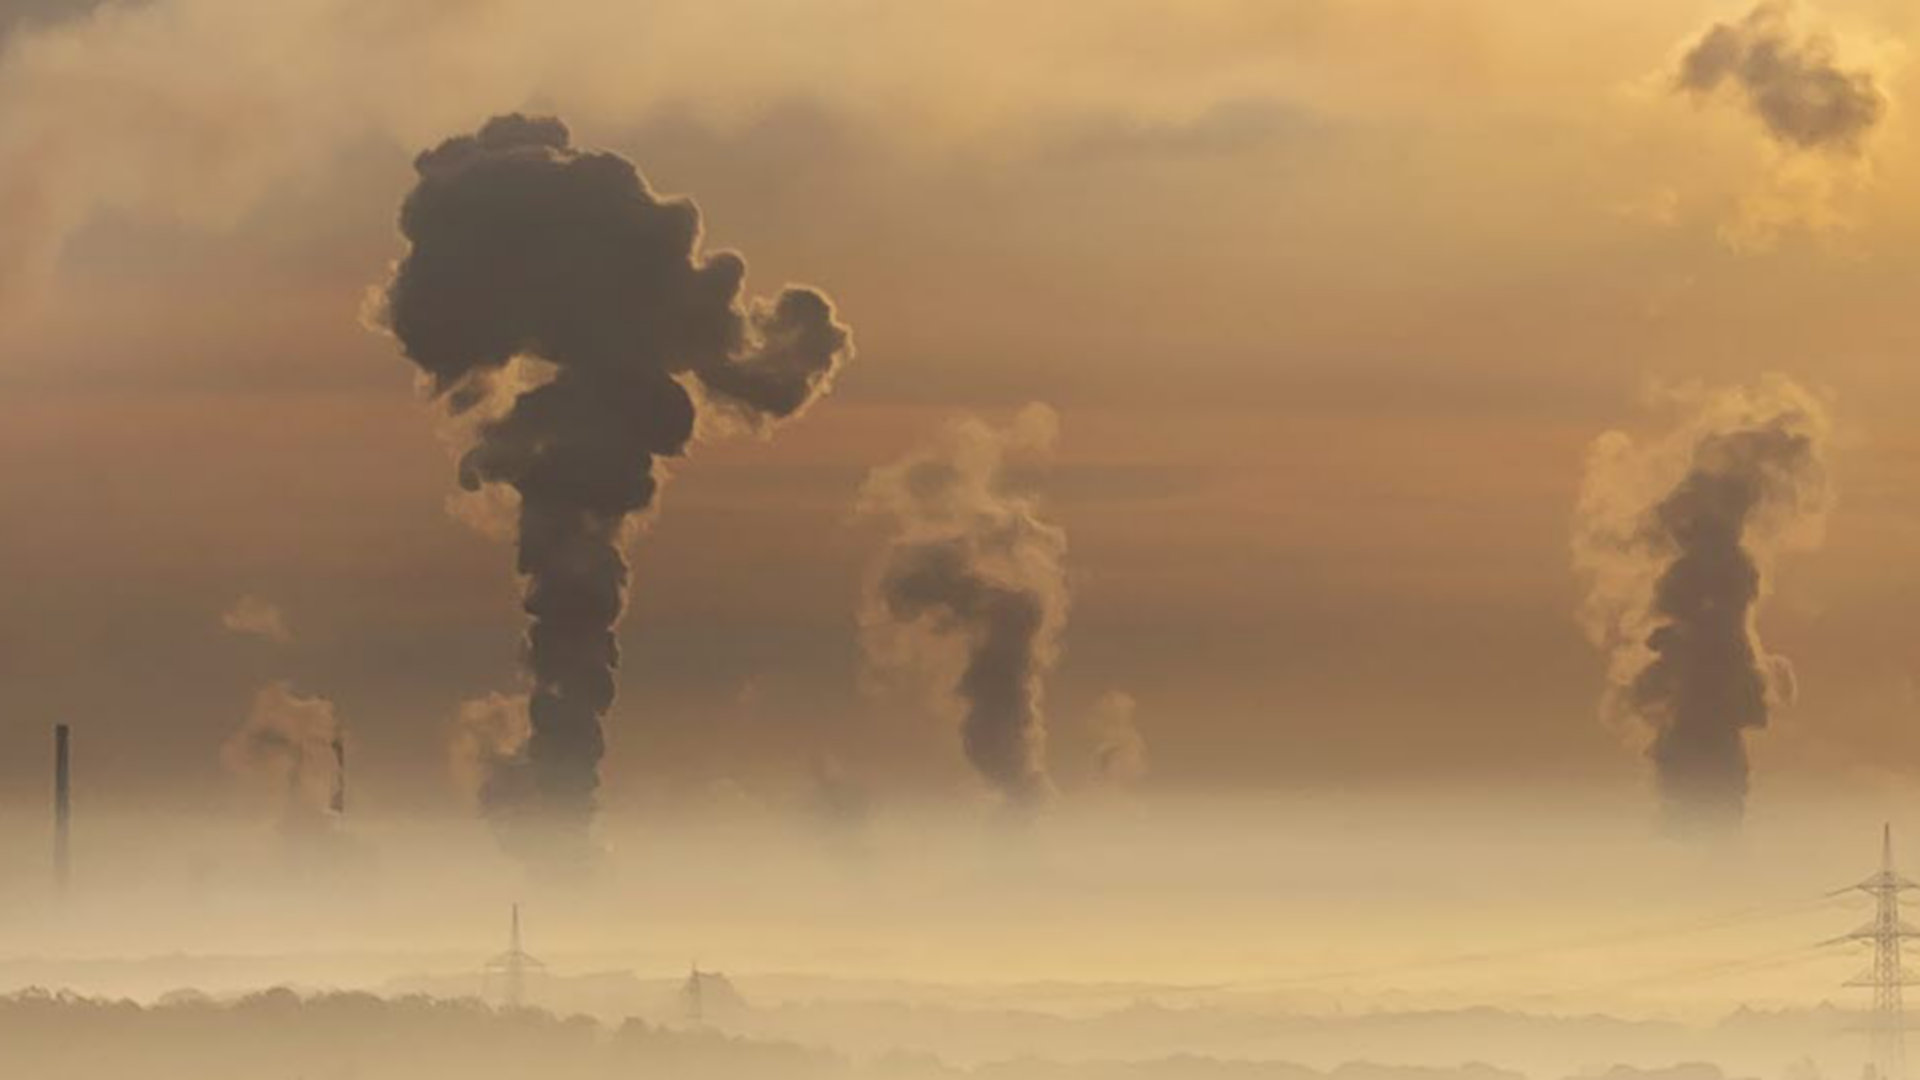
x: 508, y: 972
x: 693, y: 996
x: 62, y: 807
x: 1886, y: 1023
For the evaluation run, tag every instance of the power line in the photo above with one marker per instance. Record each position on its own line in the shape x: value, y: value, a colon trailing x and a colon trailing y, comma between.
x: 1714, y: 969
x: 1886, y: 1023
x: 1584, y: 943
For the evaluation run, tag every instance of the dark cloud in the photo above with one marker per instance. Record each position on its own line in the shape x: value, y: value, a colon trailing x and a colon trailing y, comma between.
x: 1679, y: 565
x: 973, y: 580
x: 523, y: 246
x: 1791, y: 81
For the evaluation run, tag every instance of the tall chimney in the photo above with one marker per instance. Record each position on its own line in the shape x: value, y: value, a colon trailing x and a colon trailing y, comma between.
x: 338, y: 804
x: 62, y: 804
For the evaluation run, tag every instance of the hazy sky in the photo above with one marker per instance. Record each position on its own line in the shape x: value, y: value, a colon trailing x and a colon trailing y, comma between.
x: 1331, y: 297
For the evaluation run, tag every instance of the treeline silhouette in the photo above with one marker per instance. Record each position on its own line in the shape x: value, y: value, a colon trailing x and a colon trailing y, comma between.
x: 350, y: 1036
x: 282, y: 1035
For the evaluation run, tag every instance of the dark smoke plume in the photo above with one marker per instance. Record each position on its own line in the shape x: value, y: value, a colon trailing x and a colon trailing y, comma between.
x: 567, y: 318
x: 1678, y: 539
x: 1792, y: 82
x: 971, y: 588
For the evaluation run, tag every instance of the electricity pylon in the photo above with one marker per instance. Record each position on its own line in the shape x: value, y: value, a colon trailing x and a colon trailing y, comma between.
x: 1886, y: 1024
x: 693, y: 995
x: 510, y: 969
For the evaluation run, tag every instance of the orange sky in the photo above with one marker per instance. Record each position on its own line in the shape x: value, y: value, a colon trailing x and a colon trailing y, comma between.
x: 1331, y: 298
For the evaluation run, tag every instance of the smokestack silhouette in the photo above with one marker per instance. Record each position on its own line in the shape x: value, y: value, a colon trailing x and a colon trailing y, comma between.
x: 338, y: 804
x: 973, y: 570
x: 565, y: 315
x: 1679, y: 538
x: 62, y: 806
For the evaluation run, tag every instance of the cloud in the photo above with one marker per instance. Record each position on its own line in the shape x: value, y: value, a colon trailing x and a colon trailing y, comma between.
x: 257, y: 617
x: 1793, y: 82
x: 1223, y: 129
x: 194, y: 112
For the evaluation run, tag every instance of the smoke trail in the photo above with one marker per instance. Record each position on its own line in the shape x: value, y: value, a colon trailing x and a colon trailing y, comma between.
x: 292, y: 742
x: 1119, y: 750
x: 971, y: 588
x: 523, y: 246
x: 1678, y: 539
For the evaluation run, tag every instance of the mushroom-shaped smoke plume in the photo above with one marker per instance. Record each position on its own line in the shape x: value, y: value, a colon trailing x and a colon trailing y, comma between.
x: 566, y: 313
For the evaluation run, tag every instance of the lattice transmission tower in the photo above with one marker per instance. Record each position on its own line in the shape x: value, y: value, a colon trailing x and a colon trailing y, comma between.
x: 507, y: 974
x: 1886, y: 1025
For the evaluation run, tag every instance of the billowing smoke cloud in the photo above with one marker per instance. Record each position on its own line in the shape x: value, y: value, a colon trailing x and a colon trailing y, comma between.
x: 1678, y: 538
x: 1119, y: 749
x: 971, y: 590
x: 523, y: 246
x: 1792, y: 82
x: 259, y: 618
x: 294, y: 744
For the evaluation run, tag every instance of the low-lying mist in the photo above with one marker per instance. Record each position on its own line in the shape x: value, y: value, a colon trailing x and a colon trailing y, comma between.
x: 1334, y: 902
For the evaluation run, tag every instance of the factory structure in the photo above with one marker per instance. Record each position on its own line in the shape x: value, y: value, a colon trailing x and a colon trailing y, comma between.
x: 338, y: 802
